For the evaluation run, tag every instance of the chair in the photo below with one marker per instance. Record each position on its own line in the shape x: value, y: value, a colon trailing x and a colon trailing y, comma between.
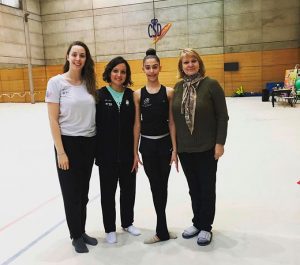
x: 285, y: 95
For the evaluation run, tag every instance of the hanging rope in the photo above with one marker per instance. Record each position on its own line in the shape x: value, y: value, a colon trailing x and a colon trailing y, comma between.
x: 153, y: 6
x: 153, y: 9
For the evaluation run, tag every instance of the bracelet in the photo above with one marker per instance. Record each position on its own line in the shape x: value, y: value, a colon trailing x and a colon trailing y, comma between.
x: 61, y: 154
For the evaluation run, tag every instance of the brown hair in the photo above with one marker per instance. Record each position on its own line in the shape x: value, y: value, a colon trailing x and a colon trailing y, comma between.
x: 190, y: 53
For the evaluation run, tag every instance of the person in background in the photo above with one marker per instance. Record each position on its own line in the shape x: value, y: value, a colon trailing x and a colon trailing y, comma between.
x: 71, y: 99
x: 114, y: 152
x: 201, y: 119
x: 155, y: 126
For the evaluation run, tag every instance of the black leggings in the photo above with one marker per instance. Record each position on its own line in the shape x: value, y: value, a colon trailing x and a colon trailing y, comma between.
x: 74, y: 182
x: 156, y: 155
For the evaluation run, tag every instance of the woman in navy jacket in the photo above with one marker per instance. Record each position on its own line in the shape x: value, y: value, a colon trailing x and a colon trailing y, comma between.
x: 115, y: 114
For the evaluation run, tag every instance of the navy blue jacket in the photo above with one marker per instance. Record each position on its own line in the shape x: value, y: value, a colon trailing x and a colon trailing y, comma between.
x: 114, y: 128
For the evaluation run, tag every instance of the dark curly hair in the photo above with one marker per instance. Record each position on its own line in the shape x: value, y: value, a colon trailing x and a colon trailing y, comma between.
x: 110, y: 66
x: 88, y: 71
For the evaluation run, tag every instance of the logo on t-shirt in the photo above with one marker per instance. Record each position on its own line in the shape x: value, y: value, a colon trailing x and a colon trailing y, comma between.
x: 64, y: 92
x: 146, y: 103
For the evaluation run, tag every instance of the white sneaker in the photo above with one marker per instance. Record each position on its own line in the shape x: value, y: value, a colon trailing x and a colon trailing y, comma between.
x: 190, y: 232
x: 111, y: 237
x: 132, y: 230
x: 204, y: 238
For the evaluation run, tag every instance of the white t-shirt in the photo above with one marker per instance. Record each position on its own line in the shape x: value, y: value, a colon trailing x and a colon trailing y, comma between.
x: 76, y: 105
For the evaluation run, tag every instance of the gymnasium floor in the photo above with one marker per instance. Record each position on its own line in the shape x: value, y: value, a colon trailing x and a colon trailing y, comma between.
x: 258, y: 210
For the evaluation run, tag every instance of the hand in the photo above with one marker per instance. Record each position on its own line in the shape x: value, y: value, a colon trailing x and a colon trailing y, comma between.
x: 63, y: 161
x: 174, y: 159
x: 136, y: 162
x: 219, y: 151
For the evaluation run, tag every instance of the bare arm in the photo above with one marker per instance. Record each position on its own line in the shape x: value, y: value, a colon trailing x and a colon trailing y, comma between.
x: 136, y: 130
x: 53, y: 113
x: 172, y: 129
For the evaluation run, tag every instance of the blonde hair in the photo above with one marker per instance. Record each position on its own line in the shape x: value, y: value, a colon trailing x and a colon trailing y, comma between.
x: 190, y: 53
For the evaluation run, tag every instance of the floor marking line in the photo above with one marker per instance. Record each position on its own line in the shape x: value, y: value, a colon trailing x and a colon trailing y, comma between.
x: 31, y: 244
x: 19, y: 253
x: 28, y: 213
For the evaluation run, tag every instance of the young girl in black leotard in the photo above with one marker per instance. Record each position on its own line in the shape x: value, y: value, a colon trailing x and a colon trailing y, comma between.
x: 155, y: 127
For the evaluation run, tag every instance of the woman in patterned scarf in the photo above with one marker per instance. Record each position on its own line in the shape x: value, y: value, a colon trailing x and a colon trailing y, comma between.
x: 201, y: 118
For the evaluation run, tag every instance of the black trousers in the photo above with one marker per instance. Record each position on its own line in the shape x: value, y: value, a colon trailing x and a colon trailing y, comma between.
x: 74, y: 182
x: 110, y: 175
x: 200, y: 170
x: 156, y: 155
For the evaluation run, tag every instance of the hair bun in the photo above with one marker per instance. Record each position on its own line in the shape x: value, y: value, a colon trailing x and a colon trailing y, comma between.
x: 151, y: 52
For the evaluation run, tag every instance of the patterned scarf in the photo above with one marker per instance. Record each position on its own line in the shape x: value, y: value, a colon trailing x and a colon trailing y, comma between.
x: 188, y: 104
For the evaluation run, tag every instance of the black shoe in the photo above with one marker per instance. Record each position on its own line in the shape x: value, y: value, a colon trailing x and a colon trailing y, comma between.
x: 79, y: 245
x: 89, y: 240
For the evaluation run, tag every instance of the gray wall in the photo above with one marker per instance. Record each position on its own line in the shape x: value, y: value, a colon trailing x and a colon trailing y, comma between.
x: 112, y: 27
x: 251, y: 25
x: 12, y: 35
x: 119, y: 27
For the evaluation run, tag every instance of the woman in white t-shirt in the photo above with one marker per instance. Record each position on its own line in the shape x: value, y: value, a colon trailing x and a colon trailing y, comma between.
x: 71, y: 102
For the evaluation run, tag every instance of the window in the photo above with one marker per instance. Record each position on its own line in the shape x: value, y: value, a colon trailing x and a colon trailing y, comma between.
x: 12, y: 3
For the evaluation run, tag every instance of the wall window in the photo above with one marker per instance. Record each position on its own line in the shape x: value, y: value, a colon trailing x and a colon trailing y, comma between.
x: 12, y: 3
